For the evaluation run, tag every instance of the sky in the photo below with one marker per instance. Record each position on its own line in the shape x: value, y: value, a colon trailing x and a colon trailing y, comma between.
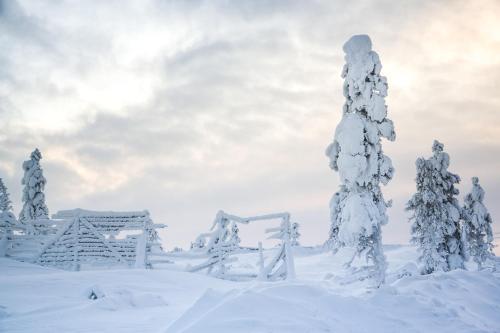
x: 187, y: 107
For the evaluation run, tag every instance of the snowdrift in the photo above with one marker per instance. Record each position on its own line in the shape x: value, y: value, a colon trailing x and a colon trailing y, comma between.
x: 38, y: 299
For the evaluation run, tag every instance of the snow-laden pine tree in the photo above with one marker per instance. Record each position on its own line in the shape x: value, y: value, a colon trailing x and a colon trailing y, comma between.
x: 33, y: 197
x: 436, y: 214
x: 5, y: 203
x: 358, y: 210
x: 476, y: 229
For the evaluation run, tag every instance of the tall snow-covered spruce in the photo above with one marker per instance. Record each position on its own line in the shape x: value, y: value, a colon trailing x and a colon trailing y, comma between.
x: 477, y: 231
x: 33, y: 197
x: 358, y: 209
x: 436, y: 214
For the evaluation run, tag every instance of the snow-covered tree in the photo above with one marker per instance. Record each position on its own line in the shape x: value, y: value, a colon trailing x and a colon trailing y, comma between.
x: 7, y: 219
x: 33, y: 197
x: 294, y: 238
x: 5, y: 203
x: 436, y: 214
x: 477, y: 232
x: 235, y: 238
x: 358, y: 210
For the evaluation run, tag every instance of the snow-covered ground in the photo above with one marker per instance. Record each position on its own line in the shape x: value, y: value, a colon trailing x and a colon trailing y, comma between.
x: 38, y: 299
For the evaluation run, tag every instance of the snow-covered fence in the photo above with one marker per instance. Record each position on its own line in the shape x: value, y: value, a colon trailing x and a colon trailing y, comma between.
x: 89, y: 238
x: 25, y: 247
x: 282, y: 265
x: 25, y: 240
x: 223, y: 245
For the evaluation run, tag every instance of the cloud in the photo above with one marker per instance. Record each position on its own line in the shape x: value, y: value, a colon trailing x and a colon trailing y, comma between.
x: 184, y: 108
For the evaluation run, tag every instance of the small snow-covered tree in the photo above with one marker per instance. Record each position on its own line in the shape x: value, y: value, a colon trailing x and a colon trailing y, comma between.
x: 295, y: 235
x: 358, y: 210
x: 436, y: 214
x: 235, y: 238
x: 477, y: 232
x: 7, y: 223
x: 34, y: 184
x: 7, y: 219
x: 5, y: 203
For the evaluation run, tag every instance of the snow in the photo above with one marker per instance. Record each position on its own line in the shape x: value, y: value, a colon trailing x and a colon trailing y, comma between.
x: 361, y: 221
x: 320, y: 299
x: 352, y: 162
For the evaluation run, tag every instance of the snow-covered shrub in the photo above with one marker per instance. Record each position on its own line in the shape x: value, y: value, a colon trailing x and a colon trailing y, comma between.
x: 33, y: 197
x: 436, y: 214
x: 358, y: 209
x: 477, y: 232
x: 94, y: 292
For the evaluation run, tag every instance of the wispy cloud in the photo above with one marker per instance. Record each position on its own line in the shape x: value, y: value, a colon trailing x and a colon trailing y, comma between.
x: 184, y: 108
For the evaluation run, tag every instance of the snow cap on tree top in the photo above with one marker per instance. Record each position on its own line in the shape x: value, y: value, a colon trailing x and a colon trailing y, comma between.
x: 437, y: 147
x: 477, y: 193
x: 36, y: 155
x: 420, y: 162
x: 357, y: 44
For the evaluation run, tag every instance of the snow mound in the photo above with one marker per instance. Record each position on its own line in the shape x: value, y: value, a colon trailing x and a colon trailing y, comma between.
x: 452, y: 302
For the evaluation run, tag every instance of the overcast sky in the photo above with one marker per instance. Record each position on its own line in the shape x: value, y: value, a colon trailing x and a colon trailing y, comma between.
x: 187, y: 107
